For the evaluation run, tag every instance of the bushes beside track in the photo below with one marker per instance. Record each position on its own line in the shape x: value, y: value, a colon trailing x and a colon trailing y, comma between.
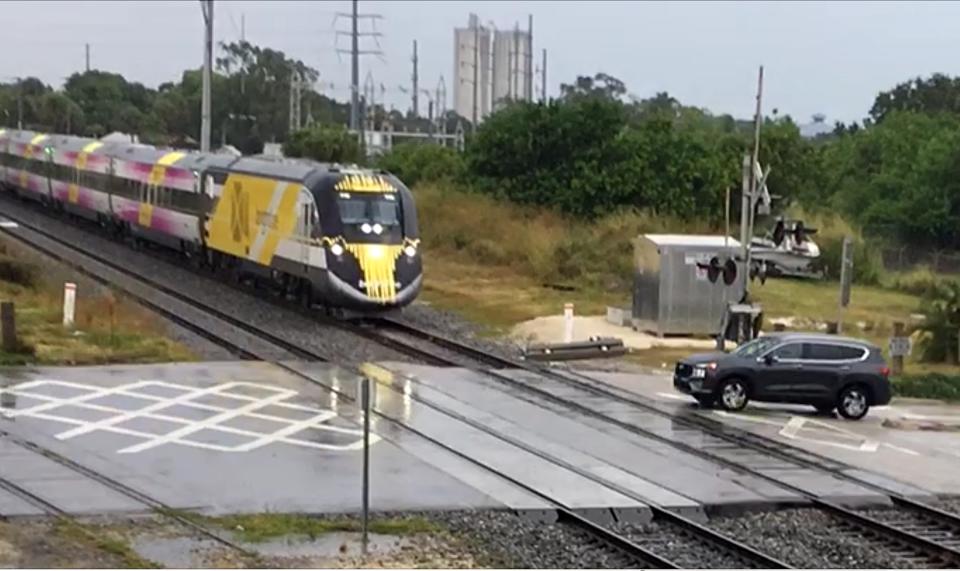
x: 928, y: 386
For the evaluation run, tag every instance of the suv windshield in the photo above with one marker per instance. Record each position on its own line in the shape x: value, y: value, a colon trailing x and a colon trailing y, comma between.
x: 757, y: 346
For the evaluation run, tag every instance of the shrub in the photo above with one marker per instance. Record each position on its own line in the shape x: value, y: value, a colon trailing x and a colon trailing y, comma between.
x: 831, y: 230
x: 929, y: 386
x: 921, y: 281
x: 414, y: 163
x: 938, y: 340
x: 332, y: 144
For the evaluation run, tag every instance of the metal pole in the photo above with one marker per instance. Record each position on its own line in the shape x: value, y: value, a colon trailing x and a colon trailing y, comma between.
x: 416, y: 87
x: 355, y: 75
x: 476, y: 70
x: 365, y: 400
x: 87, y: 46
x: 207, y: 6
x: 19, y: 104
x: 528, y: 76
x: 543, y: 71
x: 751, y: 197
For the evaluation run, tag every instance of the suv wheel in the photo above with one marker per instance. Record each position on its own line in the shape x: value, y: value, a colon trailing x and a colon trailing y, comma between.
x: 733, y: 394
x: 853, y: 403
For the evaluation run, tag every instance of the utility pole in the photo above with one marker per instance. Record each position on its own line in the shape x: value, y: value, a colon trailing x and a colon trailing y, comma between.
x: 87, y: 49
x: 516, y: 61
x: 355, y: 72
x: 543, y: 81
x: 750, y: 182
x: 19, y: 104
x: 369, y: 100
x: 416, y: 89
x: 441, y: 99
x: 528, y: 92
x: 476, y: 71
x: 207, y: 7
x: 296, y: 84
x: 243, y: 27
x: 355, y: 53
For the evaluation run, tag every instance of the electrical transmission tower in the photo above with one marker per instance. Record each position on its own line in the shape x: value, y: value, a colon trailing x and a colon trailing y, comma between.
x: 296, y: 97
x: 416, y: 79
x: 369, y: 100
x: 355, y: 53
x: 441, y: 99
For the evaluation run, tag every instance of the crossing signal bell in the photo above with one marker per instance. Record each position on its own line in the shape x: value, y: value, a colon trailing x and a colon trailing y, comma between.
x: 721, y: 268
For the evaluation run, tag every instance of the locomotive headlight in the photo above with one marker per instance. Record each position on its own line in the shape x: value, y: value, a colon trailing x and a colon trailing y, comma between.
x: 377, y: 229
x: 366, y: 228
x: 410, y: 251
x: 336, y: 250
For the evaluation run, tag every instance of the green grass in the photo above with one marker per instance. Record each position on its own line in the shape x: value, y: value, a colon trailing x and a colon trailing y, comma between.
x: 103, y: 540
x: 107, y: 330
x: 257, y: 528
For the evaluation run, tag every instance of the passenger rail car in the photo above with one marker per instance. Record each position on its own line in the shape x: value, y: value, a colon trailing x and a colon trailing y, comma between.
x: 345, y: 238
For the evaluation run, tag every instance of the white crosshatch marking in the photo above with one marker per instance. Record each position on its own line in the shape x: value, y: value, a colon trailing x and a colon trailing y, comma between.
x: 154, y: 408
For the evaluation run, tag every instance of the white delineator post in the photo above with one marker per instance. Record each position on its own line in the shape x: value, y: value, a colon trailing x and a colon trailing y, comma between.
x: 568, y: 323
x: 69, y: 303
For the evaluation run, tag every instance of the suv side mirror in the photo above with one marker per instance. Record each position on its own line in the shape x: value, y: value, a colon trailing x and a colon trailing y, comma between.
x: 770, y: 359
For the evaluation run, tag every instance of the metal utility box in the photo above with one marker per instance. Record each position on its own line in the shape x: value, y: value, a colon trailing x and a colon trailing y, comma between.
x: 671, y: 294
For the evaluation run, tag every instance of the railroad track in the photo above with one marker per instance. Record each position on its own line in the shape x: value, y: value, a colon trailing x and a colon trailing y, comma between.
x: 918, y: 532
x: 152, y: 504
x: 637, y: 555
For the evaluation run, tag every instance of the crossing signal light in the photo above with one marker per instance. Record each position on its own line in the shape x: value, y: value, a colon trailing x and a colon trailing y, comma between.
x: 721, y: 268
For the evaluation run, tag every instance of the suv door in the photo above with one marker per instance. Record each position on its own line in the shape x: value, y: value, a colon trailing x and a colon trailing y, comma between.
x: 823, y: 366
x: 777, y: 380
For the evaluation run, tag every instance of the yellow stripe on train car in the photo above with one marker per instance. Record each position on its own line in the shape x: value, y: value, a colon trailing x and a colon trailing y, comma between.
x: 81, y: 162
x: 159, y: 170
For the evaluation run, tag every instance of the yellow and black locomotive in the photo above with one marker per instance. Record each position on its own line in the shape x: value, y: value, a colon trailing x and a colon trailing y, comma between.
x: 339, y: 236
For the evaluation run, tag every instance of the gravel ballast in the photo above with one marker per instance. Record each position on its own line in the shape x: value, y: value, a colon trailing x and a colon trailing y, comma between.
x: 807, y: 538
x: 502, y: 539
x: 668, y: 541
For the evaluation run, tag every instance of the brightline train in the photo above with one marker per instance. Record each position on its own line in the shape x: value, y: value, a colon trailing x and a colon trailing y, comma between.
x: 337, y: 236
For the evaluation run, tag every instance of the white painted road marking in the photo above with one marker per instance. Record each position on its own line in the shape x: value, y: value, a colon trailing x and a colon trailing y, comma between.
x: 275, y: 398
x: 8, y: 224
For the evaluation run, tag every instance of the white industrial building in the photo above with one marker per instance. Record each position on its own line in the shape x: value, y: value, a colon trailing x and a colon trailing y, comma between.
x: 501, y: 61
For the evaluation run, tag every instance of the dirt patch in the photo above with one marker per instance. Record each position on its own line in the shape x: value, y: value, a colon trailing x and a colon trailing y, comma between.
x: 42, y: 544
x: 921, y: 424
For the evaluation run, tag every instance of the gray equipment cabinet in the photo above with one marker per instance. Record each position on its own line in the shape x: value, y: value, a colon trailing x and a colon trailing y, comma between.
x: 671, y: 294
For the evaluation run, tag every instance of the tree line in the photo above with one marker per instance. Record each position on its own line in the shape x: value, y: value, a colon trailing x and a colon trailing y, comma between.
x: 593, y: 150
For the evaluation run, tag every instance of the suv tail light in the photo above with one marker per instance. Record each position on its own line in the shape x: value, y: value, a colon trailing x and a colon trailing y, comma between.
x: 885, y: 371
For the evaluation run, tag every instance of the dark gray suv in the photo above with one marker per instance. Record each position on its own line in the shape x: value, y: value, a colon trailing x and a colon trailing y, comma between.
x: 826, y: 371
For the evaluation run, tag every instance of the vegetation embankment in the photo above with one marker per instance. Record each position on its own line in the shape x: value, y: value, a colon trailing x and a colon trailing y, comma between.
x: 106, y: 329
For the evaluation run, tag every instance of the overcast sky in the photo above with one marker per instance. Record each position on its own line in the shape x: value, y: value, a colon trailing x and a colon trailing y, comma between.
x: 819, y: 57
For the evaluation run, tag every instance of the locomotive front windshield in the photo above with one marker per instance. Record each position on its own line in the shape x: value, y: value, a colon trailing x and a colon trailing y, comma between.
x: 371, y: 214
